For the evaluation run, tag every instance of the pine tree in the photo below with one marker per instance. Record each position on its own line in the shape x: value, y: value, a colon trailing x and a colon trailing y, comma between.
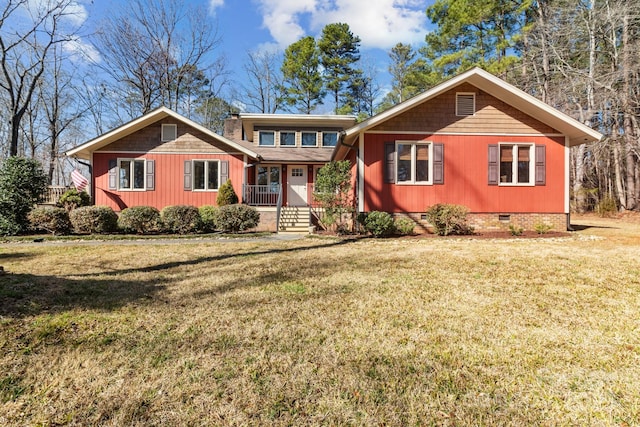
x: 226, y: 194
x: 301, y: 76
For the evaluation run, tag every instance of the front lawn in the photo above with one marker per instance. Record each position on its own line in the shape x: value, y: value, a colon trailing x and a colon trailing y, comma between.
x: 324, y: 331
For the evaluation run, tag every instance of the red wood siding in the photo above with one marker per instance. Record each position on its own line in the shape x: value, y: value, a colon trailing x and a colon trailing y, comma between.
x: 465, y: 177
x: 169, y: 187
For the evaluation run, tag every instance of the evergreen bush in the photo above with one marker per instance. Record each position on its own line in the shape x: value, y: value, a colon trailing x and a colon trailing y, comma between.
x: 181, y: 219
x: 22, y: 184
x: 73, y: 198
x: 54, y: 220
x: 208, y: 215
x: 379, y: 223
x: 235, y: 218
x: 449, y: 219
x: 140, y: 220
x: 94, y: 219
x: 226, y: 194
x: 404, y: 225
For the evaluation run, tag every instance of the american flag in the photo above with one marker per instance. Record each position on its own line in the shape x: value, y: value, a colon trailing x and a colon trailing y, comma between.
x: 79, y: 181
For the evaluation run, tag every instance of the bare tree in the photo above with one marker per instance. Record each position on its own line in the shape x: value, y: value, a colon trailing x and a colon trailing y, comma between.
x: 263, y: 91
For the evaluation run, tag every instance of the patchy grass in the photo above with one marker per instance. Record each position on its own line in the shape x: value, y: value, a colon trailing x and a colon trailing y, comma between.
x: 324, y: 331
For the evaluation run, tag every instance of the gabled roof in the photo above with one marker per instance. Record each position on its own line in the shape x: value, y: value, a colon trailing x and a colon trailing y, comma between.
x: 577, y: 132
x: 84, y: 151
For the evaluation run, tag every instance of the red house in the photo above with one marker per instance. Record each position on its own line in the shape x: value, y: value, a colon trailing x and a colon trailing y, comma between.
x: 473, y: 140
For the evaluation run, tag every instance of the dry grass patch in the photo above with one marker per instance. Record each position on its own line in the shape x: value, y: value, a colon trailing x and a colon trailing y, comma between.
x: 321, y: 331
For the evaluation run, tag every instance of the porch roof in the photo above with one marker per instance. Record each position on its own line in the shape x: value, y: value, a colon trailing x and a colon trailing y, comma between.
x: 290, y: 155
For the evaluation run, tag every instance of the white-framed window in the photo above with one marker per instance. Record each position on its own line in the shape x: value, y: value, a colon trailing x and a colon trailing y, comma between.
x: 169, y: 132
x: 131, y: 173
x: 267, y: 137
x: 268, y: 176
x: 287, y: 139
x: 517, y: 164
x: 465, y: 104
x: 329, y: 139
x: 206, y: 175
x: 414, y: 162
x: 297, y: 172
x: 309, y: 139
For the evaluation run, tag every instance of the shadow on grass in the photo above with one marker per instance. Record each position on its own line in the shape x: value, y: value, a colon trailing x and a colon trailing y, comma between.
x: 27, y: 294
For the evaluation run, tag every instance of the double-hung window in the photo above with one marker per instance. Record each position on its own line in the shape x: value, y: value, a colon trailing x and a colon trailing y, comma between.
x: 517, y: 165
x: 206, y: 175
x: 131, y: 173
x: 267, y: 138
x: 414, y: 162
x: 269, y: 176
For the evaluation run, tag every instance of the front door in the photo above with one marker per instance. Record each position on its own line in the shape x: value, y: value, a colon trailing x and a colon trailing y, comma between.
x: 297, y: 188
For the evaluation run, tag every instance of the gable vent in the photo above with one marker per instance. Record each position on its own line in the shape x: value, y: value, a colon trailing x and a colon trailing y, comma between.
x: 465, y: 104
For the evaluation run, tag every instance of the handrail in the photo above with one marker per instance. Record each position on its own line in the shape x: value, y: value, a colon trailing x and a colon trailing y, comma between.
x: 278, y: 208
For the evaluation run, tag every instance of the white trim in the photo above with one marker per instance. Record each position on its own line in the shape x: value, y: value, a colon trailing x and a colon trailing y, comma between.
x: 268, y: 166
x: 414, y: 144
x: 163, y: 133
x: 206, y: 170
x: 131, y: 173
x: 245, y: 173
x: 360, y: 173
x: 302, y: 138
x: 265, y: 131
x: 514, y: 164
x: 165, y: 153
x: 567, y: 175
x: 409, y: 132
x: 322, y: 133
x: 280, y: 132
x: 473, y: 106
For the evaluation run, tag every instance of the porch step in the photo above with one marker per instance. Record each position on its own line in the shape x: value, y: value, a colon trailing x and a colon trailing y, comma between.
x: 294, y: 219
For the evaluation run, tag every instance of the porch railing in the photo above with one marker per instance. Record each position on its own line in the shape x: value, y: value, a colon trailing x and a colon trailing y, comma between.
x: 261, y: 195
x: 53, y: 193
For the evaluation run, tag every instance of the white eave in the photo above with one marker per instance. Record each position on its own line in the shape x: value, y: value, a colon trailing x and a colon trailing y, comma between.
x: 251, y: 120
x: 85, y: 150
x: 577, y: 132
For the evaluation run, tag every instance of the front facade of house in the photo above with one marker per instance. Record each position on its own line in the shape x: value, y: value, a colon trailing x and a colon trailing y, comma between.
x: 473, y: 140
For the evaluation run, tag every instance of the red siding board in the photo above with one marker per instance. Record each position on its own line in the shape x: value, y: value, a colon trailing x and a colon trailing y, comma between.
x: 465, y: 178
x: 168, y: 181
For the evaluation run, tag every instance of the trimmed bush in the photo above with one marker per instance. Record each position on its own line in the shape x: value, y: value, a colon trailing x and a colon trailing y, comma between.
x: 449, y: 219
x: 22, y: 184
x: 234, y: 218
x: 73, y: 198
x: 140, y: 220
x: 93, y: 219
x: 208, y: 215
x: 50, y: 219
x: 379, y: 223
x: 404, y: 225
x: 226, y: 194
x: 181, y: 219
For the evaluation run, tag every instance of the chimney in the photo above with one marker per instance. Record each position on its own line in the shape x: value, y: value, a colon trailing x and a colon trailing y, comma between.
x: 233, y: 127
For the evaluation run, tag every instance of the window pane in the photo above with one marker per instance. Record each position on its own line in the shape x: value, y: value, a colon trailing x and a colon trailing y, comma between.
x: 274, y: 178
x: 138, y: 174
x: 125, y: 174
x: 287, y: 138
x: 506, y: 172
x: 212, y: 176
x: 262, y: 175
x: 329, y: 139
x: 506, y: 153
x: 404, y: 162
x: 523, y: 164
x: 198, y: 175
x: 267, y: 138
x: 309, y: 139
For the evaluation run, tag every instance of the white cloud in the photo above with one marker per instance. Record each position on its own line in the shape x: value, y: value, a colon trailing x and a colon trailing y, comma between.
x: 215, y: 4
x: 79, y: 51
x: 379, y: 23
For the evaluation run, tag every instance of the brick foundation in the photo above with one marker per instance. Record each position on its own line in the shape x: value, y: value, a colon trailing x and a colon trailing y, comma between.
x: 496, y: 222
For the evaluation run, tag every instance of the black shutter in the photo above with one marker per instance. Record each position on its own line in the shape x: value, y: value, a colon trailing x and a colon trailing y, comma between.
x: 389, y: 162
x: 151, y: 172
x: 224, y: 172
x: 187, y: 175
x: 113, y: 174
x: 438, y: 163
x: 494, y: 171
x: 541, y: 160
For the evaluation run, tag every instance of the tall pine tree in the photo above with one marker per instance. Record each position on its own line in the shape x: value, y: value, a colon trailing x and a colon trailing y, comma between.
x: 302, y: 81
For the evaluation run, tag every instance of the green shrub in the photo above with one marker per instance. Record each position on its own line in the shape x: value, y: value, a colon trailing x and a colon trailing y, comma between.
x: 208, y: 215
x: 515, y: 230
x: 449, y: 219
x: 234, y: 218
x: 94, y: 219
x: 542, y: 228
x: 140, y: 220
x: 22, y: 184
x: 404, y: 225
x: 226, y: 194
x: 181, y: 219
x: 50, y: 219
x: 73, y: 198
x: 379, y: 223
x: 606, y: 207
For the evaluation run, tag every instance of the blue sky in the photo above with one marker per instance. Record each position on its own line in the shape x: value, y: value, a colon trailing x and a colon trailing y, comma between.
x: 253, y: 25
